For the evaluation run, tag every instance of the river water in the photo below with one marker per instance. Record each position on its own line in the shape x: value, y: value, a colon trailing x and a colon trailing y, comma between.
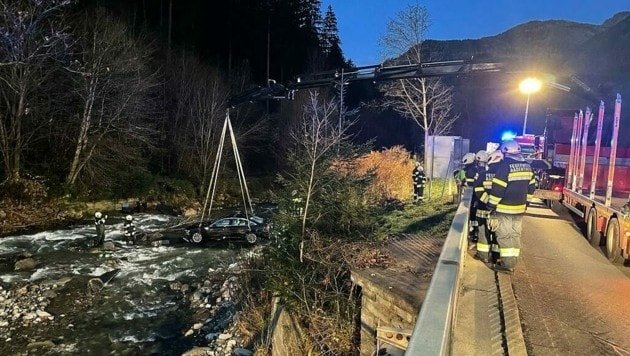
x: 137, y: 312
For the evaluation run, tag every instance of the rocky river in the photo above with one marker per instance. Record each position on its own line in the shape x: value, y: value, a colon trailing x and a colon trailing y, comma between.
x: 168, y: 298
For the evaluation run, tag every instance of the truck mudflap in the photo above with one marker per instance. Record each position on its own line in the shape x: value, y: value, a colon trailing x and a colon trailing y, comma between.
x: 547, y: 194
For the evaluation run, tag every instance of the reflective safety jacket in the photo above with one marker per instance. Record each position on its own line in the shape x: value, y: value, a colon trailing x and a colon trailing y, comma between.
x: 486, y: 182
x: 479, y: 188
x: 419, y: 178
x: 513, y: 186
x: 470, y: 173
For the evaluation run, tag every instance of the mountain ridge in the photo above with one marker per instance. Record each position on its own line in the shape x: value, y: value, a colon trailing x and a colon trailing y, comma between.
x: 558, y: 51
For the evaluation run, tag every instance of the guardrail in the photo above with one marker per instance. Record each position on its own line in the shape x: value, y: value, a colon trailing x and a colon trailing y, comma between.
x: 432, y: 332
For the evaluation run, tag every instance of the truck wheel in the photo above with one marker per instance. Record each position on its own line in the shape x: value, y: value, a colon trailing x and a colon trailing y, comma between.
x: 251, y: 238
x: 613, y: 252
x: 592, y: 235
x: 196, y: 237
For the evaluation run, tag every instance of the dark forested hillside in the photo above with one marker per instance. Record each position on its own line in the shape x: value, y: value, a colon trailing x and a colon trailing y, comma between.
x: 103, y: 97
x: 286, y: 36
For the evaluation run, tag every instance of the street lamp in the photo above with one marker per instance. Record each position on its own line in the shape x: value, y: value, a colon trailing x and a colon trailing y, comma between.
x: 529, y: 86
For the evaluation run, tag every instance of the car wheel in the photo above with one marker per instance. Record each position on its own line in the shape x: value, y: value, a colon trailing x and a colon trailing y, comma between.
x: 196, y: 237
x: 251, y: 238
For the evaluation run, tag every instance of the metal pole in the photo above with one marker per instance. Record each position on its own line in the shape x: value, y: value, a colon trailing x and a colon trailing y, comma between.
x: 526, y: 110
x: 341, y: 101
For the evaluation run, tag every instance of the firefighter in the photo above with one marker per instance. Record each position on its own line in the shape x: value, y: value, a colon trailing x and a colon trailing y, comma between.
x: 486, y: 244
x: 477, y: 210
x: 512, y: 188
x: 99, y: 222
x: 467, y: 174
x: 460, y: 174
x: 467, y: 179
x: 129, y: 230
x: 419, y: 180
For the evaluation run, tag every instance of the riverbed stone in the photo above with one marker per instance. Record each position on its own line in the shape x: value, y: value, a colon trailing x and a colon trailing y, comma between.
x: 211, y: 336
x: 25, y: 264
x: 109, y: 246
x: 41, y: 345
x: 30, y: 316
x: 42, y: 313
x: 197, y: 351
x: 225, y: 336
x: 239, y: 351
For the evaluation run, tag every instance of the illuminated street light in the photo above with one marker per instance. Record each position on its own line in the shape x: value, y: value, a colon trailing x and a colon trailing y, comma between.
x: 529, y: 86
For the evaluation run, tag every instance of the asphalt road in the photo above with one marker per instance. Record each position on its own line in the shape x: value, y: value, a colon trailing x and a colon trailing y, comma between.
x: 571, y: 300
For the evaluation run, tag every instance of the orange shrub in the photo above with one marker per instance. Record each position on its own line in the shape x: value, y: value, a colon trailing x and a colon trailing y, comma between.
x: 392, y: 168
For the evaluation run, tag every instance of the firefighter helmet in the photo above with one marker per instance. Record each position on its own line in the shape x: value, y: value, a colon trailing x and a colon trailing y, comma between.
x: 495, y: 157
x: 482, y: 156
x: 468, y: 158
x: 98, y: 215
x: 510, y: 147
x: 128, y: 217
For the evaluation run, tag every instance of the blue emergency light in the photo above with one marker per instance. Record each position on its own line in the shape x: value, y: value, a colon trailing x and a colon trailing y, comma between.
x: 508, y: 135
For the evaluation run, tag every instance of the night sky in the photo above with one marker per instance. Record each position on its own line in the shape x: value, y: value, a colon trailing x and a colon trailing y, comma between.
x: 361, y: 22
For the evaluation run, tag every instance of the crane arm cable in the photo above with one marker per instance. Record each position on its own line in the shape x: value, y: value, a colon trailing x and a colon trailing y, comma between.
x: 212, y: 184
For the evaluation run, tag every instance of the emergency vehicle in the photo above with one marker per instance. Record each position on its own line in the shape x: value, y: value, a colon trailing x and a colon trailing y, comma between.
x: 532, y: 146
x: 596, y: 181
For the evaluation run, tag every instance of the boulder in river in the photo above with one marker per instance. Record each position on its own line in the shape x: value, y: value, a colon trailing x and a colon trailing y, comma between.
x: 25, y: 264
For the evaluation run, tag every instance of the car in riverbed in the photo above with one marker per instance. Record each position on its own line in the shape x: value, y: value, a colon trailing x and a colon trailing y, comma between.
x: 231, y: 228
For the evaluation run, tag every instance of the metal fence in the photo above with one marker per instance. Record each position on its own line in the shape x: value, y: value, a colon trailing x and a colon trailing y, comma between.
x: 432, y: 332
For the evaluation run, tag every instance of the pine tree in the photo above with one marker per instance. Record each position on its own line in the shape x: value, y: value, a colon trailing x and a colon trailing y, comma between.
x: 330, y: 42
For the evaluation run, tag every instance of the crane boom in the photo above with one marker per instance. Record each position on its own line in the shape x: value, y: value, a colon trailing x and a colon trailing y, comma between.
x: 379, y: 72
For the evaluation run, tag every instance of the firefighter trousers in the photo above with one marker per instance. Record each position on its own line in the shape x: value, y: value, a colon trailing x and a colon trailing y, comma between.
x: 509, y: 238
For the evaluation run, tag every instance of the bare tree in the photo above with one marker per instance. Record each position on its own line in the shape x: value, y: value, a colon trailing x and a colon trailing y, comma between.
x: 426, y: 101
x: 32, y: 38
x: 113, y: 83
x: 201, y: 97
x: 316, y: 139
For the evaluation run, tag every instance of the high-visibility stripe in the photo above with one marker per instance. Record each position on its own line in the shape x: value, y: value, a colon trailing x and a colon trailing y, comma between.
x: 484, y: 197
x: 498, y: 181
x: 482, y: 213
x: 481, y: 247
x: 509, y: 252
x: 493, y: 199
x: 511, y: 209
x: 513, y: 177
x: 494, y: 248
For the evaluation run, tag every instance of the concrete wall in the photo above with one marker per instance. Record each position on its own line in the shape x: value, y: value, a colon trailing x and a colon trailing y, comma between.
x: 382, y: 307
